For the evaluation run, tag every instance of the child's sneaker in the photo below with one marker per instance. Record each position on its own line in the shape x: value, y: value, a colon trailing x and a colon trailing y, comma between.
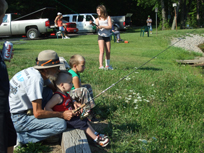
x: 67, y: 37
x: 101, y: 68
x: 101, y: 135
x: 102, y: 142
x: 109, y: 68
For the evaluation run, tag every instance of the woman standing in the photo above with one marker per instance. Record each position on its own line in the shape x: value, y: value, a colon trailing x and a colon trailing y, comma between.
x: 104, y: 25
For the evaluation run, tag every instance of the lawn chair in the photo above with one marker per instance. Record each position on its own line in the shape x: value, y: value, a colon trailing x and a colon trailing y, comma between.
x: 58, y: 32
x: 114, y: 36
x: 143, y: 30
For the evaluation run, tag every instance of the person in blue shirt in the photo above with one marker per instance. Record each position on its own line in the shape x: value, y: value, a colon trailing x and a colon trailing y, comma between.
x: 117, y: 33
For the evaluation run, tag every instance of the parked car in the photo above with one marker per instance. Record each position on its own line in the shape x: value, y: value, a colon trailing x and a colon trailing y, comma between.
x: 70, y: 27
x: 32, y: 25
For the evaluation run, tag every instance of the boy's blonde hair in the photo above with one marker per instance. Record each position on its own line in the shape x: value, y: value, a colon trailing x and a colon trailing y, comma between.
x: 75, y: 60
x: 3, y: 7
x: 63, y: 77
x: 104, y: 13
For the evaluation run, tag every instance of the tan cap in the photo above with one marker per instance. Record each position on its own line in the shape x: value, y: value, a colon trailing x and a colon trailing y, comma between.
x: 47, y: 59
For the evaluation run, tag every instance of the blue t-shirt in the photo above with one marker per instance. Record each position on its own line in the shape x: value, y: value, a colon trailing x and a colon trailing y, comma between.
x: 73, y: 75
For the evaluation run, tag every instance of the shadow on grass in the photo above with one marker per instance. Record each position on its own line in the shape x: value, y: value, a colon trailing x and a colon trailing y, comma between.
x: 151, y: 68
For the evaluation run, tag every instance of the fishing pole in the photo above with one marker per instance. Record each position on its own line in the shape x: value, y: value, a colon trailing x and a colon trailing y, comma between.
x: 130, y: 72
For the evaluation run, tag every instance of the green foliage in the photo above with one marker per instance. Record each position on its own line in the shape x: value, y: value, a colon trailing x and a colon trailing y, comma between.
x: 33, y: 148
x: 158, y: 108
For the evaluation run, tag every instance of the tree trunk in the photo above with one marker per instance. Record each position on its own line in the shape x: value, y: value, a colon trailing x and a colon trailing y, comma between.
x: 198, y: 13
x: 163, y: 14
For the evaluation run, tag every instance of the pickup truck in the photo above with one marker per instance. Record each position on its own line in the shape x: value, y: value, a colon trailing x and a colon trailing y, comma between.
x: 32, y: 25
x: 121, y: 22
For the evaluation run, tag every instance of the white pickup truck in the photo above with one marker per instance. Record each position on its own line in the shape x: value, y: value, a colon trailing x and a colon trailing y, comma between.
x: 32, y: 25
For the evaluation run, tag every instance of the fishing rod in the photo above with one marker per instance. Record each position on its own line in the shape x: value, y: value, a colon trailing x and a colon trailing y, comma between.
x: 88, y: 103
x: 127, y: 74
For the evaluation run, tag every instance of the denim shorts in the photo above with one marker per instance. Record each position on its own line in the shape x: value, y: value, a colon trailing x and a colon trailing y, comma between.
x: 61, y: 28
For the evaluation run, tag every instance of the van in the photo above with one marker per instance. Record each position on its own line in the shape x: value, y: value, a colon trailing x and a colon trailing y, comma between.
x: 82, y: 21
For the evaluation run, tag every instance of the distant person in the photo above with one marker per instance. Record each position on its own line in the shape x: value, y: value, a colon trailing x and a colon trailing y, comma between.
x: 104, y: 25
x: 117, y: 33
x: 58, y: 22
x: 61, y: 101
x: 149, y: 24
x: 7, y: 130
x: 65, y: 31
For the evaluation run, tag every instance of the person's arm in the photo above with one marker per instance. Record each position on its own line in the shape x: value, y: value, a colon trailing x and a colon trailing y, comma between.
x: 109, y: 24
x: 56, y: 20
x: 56, y: 99
x: 38, y: 112
x: 76, y: 82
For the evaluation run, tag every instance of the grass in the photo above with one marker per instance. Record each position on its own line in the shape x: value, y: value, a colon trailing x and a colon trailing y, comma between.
x: 158, y: 108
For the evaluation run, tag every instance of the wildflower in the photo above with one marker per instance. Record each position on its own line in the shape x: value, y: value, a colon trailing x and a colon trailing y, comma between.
x: 135, y: 107
x: 154, y: 90
x: 134, y: 93
x: 152, y: 84
x: 130, y: 90
x: 127, y: 78
x: 116, y: 89
x: 169, y: 94
x: 139, y: 97
x: 147, y: 101
x: 119, y: 97
x: 130, y: 96
x: 135, y: 101
x: 126, y: 101
x: 136, y: 72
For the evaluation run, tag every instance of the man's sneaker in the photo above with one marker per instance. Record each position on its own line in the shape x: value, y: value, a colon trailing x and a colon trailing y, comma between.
x: 109, y: 68
x: 62, y: 37
x: 18, y: 144
x: 67, y: 37
x: 117, y: 41
x: 102, y: 142
x: 101, y: 68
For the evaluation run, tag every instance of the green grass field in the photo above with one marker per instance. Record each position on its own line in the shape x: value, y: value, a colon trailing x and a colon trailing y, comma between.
x: 158, y: 108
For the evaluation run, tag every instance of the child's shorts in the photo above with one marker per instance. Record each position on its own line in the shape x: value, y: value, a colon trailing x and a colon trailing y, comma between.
x: 77, y: 123
x: 61, y: 28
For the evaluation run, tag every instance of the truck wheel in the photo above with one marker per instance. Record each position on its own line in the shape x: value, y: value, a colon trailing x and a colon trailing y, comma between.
x: 33, y: 33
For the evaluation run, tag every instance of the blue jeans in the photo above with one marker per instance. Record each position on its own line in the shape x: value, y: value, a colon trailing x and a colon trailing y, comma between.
x: 31, y: 129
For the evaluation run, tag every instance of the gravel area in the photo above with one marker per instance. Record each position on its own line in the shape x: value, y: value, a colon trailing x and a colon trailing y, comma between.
x: 190, y: 42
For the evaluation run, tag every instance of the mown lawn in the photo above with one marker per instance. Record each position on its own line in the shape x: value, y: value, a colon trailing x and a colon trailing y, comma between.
x: 158, y: 108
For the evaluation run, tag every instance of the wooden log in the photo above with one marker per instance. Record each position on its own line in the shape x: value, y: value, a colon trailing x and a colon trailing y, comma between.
x: 190, y: 61
x: 74, y: 141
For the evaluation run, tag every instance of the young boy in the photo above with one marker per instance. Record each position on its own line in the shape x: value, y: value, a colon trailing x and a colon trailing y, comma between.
x: 77, y: 64
x: 62, y: 101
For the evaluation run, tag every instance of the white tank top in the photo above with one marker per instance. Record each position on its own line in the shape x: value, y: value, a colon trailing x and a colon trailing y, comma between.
x: 104, y: 32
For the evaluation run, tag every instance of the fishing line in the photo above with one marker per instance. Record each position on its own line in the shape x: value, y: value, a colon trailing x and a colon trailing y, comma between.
x: 138, y: 68
x: 133, y: 70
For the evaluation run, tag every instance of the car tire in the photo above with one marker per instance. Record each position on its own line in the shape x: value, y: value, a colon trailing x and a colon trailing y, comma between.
x: 33, y: 33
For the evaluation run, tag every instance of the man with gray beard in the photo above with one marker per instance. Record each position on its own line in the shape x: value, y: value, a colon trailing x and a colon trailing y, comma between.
x: 28, y: 96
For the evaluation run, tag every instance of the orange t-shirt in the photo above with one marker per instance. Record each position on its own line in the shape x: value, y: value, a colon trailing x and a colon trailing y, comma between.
x: 59, y: 22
